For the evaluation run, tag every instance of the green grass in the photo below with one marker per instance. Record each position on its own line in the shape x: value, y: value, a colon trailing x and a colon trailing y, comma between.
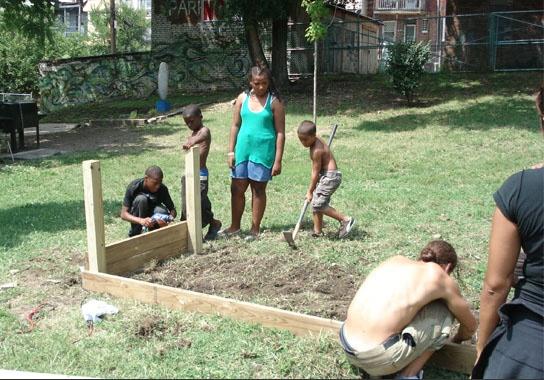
x: 409, y: 174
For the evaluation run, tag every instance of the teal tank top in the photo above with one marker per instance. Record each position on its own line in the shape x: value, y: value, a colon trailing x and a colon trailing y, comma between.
x: 256, y: 141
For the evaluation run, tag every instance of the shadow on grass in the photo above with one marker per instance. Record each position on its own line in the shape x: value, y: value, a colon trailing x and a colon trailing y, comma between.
x: 53, y: 217
x: 507, y: 112
x: 360, y: 94
x: 102, y: 142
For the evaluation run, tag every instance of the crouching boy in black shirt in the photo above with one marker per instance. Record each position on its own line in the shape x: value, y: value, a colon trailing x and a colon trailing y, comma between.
x: 147, y: 203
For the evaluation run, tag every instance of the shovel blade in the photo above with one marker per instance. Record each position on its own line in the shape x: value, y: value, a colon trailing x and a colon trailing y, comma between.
x: 288, y: 236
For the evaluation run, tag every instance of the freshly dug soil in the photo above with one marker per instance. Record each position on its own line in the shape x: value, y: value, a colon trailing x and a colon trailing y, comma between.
x: 293, y: 282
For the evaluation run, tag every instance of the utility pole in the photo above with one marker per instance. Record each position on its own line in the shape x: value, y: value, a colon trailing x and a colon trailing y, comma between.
x: 113, y: 36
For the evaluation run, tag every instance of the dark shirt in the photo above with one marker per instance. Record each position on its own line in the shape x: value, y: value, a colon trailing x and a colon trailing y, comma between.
x: 136, y: 187
x: 521, y: 201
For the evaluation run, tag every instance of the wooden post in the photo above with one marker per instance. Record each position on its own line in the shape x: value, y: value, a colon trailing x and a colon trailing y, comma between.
x: 94, y: 216
x: 192, y: 199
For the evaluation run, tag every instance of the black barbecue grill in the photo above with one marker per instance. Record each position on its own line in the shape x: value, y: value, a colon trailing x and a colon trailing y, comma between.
x: 16, y: 114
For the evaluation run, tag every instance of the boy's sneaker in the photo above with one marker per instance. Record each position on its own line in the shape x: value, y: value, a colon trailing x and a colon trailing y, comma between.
x: 317, y: 234
x: 213, y: 231
x: 345, y: 227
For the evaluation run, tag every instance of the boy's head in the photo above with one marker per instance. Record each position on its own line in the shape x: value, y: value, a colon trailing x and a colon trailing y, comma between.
x: 192, y: 117
x: 440, y: 252
x: 307, y: 133
x: 153, y: 178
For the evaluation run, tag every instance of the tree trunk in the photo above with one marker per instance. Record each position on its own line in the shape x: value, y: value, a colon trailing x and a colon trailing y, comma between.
x: 279, y: 53
x: 254, y: 45
x: 279, y: 43
x: 113, y: 37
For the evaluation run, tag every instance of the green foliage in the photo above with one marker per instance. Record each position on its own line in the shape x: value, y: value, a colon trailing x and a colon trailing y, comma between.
x: 19, y: 58
x: 405, y: 66
x: 31, y: 18
x: 317, y: 10
x: 23, y: 46
x: 20, y: 55
x: 67, y: 46
x: 131, y: 28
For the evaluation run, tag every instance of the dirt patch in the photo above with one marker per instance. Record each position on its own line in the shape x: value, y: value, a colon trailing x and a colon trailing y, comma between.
x: 149, y: 327
x: 108, y: 137
x: 290, y: 282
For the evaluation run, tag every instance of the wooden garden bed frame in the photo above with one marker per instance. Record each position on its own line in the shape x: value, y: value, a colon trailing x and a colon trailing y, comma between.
x: 106, y: 262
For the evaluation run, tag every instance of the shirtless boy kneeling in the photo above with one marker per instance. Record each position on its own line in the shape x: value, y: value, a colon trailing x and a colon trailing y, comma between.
x: 404, y: 311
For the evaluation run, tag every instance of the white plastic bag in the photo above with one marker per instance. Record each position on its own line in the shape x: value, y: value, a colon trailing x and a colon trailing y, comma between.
x: 93, y: 310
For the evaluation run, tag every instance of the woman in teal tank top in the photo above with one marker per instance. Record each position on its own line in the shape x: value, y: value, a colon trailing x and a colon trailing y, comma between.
x: 256, y: 143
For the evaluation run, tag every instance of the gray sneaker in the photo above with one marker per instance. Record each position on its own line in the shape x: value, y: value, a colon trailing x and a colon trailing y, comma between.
x: 345, y: 227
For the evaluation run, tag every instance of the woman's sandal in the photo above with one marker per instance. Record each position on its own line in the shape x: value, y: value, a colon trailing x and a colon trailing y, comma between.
x: 226, y: 234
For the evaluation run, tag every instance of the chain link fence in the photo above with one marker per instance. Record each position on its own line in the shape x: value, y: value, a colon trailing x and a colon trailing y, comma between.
x: 498, y: 41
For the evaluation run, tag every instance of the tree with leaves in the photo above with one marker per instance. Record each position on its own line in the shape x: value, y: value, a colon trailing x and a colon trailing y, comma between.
x: 316, y: 31
x: 132, y: 27
x: 33, y: 19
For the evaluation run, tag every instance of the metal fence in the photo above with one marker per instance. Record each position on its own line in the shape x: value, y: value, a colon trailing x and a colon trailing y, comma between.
x: 498, y: 41
x: 347, y: 48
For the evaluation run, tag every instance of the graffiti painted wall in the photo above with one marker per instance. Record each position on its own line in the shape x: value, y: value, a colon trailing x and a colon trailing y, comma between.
x: 202, y: 57
x: 91, y: 79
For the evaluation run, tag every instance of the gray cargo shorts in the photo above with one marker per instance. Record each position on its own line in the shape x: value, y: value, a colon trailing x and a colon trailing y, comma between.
x: 329, y: 181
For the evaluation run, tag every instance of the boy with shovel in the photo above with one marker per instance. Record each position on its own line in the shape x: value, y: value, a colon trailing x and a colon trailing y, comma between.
x: 325, y: 179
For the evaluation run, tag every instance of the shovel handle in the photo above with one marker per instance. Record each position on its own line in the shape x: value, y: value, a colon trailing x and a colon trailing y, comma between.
x: 299, y: 222
x: 334, y: 128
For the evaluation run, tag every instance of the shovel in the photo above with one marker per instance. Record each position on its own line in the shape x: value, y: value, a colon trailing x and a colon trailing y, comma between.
x: 290, y: 236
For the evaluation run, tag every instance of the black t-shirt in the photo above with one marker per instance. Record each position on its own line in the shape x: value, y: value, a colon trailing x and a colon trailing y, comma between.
x: 136, y: 187
x: 521, y: 201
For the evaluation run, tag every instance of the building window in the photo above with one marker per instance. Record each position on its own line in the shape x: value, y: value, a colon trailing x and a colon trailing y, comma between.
x: 424, y: 25
x: 409, y: 33
x: 389, y: 28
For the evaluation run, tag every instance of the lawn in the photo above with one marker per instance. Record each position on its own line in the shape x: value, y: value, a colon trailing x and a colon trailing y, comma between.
x: 410, y: 174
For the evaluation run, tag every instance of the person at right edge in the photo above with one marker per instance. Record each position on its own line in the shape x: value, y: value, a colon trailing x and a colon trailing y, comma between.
x: 511, y: 338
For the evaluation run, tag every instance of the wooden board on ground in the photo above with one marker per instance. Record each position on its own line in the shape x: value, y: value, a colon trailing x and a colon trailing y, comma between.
x: 186, y: 300
x: 452, y: 357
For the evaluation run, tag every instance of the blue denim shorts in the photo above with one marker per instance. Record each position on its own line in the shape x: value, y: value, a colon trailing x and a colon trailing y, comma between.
x: 252, y: 171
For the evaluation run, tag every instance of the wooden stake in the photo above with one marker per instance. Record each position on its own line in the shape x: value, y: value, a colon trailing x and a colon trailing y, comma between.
x: 94, y: 216
x: 192, y: 199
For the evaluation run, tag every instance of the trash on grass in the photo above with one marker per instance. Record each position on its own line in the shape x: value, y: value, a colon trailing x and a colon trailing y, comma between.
x: 8, y: 285
x: 93, y: 310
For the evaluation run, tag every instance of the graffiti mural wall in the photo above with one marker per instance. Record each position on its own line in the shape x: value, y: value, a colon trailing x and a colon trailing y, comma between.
x: 203, y: 57
x: 91, y: 79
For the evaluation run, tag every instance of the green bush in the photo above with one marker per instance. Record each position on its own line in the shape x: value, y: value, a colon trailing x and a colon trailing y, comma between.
x: 20, y: 56
x: 19, y: 59
x: 405, y: 63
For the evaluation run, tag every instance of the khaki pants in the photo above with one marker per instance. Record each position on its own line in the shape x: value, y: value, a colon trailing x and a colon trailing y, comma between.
x: 429, y: 330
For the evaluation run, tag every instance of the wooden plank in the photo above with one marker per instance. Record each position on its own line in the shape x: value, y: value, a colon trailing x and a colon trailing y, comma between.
x: 94, y: 216
x: 192, y: 199
x: 136, y: 245
x: 186, y: 300
x: 137, y: 262
x: 453, y: 357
